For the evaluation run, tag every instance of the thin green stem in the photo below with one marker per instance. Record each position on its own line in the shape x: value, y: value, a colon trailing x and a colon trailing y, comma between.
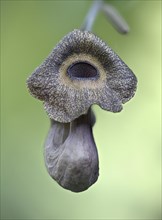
x: 92, y: 14
x: 114, y: 17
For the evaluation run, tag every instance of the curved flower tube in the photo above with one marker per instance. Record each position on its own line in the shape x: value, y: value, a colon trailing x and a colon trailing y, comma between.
x: 71, y: 155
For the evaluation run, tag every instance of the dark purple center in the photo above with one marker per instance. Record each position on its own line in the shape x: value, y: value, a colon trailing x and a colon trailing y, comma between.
x: 82, y: 70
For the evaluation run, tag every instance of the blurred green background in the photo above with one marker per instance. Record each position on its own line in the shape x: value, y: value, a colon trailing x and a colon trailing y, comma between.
x: 128, y: 142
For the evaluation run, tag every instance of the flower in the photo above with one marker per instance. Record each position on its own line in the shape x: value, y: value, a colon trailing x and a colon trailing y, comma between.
x: 81, y: 71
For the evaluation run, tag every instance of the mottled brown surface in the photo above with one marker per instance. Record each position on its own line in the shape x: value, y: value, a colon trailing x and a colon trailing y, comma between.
x: 65, y: 98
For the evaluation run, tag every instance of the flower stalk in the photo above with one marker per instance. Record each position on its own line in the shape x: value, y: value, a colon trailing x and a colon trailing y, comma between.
x: 91, y: 16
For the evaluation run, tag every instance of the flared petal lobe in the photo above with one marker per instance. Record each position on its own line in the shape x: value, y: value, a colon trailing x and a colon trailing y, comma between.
x: 81, y: 71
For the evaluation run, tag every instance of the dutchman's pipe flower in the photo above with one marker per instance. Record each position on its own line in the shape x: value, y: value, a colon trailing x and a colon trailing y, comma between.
x: 80, y: 71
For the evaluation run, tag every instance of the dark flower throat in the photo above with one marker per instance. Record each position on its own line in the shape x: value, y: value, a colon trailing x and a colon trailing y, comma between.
x: 82, y: 70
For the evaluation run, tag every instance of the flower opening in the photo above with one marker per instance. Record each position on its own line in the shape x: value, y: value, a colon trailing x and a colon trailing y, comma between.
x: 81, y: 71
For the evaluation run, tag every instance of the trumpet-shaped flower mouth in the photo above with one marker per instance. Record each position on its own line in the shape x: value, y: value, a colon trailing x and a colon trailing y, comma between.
x: 81, y: 71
